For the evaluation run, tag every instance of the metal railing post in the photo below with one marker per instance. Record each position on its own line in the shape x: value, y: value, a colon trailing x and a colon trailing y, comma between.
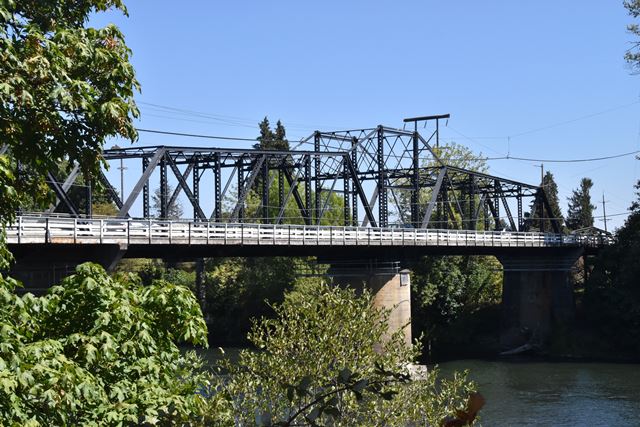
x: 101, y: 231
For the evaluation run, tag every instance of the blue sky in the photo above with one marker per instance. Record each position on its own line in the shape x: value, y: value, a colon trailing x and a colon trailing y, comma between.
x: 501, y: 68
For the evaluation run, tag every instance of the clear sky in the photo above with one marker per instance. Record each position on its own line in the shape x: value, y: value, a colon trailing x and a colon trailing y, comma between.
x: 501, y: 68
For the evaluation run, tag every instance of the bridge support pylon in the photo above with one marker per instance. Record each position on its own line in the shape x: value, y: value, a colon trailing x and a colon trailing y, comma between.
x: 389, y: 285
x: 536, y: 296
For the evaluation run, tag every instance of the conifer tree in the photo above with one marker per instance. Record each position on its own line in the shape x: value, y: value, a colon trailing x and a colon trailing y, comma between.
x: 580, y: 212
x: 270, y: 140
x: 265, y: 140
x: 551, y: 190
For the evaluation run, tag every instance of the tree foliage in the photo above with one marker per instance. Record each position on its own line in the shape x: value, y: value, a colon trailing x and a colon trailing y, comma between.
x: 551, y: 190
x: 270, y: 140
x: 64, y: 89
x: 316, y: 364
x: 174, y: 209
x: 97, y: 350
x: 632, y: 55
x: 612, y: 291
x: 580, y: 212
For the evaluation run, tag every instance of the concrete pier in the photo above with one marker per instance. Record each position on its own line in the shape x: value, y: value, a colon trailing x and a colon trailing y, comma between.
x: 389, y: 286
x: 536, y: 296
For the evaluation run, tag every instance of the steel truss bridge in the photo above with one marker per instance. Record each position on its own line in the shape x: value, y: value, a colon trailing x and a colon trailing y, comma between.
x: 378, y: 177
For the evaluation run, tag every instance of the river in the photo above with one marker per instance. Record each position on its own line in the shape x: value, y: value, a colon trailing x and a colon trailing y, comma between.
x: 527, y: 393
x: 555, y: 394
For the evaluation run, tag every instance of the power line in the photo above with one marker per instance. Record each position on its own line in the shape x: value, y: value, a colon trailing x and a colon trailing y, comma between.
x: 526, y: 159
x: 592, y: 159
x: 554, y: 125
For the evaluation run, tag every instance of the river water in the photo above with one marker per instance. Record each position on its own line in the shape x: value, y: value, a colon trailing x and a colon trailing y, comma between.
x: 555, y: 394
x: 526, y: 393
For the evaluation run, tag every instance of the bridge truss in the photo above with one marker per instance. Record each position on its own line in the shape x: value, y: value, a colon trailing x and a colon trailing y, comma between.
x: 377, y: 177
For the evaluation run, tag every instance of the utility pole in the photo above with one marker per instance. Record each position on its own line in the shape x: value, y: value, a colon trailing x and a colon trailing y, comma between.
x: 541, y: 166
x: 121, y: 169
x: 604, y: 212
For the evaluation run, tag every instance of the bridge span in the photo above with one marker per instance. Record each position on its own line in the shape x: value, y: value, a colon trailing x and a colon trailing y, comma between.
x: 148, y: 238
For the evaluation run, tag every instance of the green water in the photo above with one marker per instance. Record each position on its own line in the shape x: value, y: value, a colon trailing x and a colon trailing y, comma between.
x: 555, y: 394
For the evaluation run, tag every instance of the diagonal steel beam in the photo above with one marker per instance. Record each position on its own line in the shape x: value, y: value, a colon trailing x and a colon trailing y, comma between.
x: 178, y: 189
x: 124, y: 210
x: 293, y: 190
x: 183, y: 183
x: 507, y: 210
x: 68, y: 182
x: 434, y: 197
x: 112, y: 192
x: 257, y: 168
x: 326, y: 201
x: 360, y: 192
x: 61, y: 194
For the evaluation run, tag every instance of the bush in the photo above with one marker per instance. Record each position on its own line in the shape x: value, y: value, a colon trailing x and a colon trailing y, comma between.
x: 319, y: 362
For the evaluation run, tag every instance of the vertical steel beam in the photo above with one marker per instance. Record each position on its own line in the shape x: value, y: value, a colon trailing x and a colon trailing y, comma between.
x: 472, y: 224
x: 240, y: 206
x: 520, y: 217
x: 316, y: 168
x: 265, y: 191
x: 496, y: 204
x: 307, y: 189
x: 415, y: 183
x: 383, y: 208
x: 145, y: 190
x: 347, y: 194
x: 281, y: 185
x: 196, y: 189
x: 217, y: 188
x: 354, y: 200
x: 164, y: 187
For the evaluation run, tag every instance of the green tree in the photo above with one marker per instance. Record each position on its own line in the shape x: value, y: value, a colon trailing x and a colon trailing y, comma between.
x: 270, y: 140
x: 64, y: 89
x: 612, y: 291
x: 632, y: 55
x: 551, y: 190
x: 580, y: 212
x: 317, y: 364
x: 174, y: 209
x: 100, y: 351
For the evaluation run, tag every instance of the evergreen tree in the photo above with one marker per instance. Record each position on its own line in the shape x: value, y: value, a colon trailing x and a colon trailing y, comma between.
x: 270, y: 140
x: 280, y: 142
x: 174, y: 210
x: 580, y: 212
x: 551, y: 190
x: 266, y: 137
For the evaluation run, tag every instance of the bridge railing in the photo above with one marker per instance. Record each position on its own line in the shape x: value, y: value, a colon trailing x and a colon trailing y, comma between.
x: 60, y: 230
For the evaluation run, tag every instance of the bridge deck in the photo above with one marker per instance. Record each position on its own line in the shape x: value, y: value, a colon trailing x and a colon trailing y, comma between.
x: 60, y: 230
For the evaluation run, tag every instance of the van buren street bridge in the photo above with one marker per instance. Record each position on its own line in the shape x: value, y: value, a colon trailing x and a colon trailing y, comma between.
x: 367, y: 202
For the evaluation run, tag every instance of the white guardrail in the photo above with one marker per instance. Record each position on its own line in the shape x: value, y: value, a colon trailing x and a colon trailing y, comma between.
x: 61, y: 230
